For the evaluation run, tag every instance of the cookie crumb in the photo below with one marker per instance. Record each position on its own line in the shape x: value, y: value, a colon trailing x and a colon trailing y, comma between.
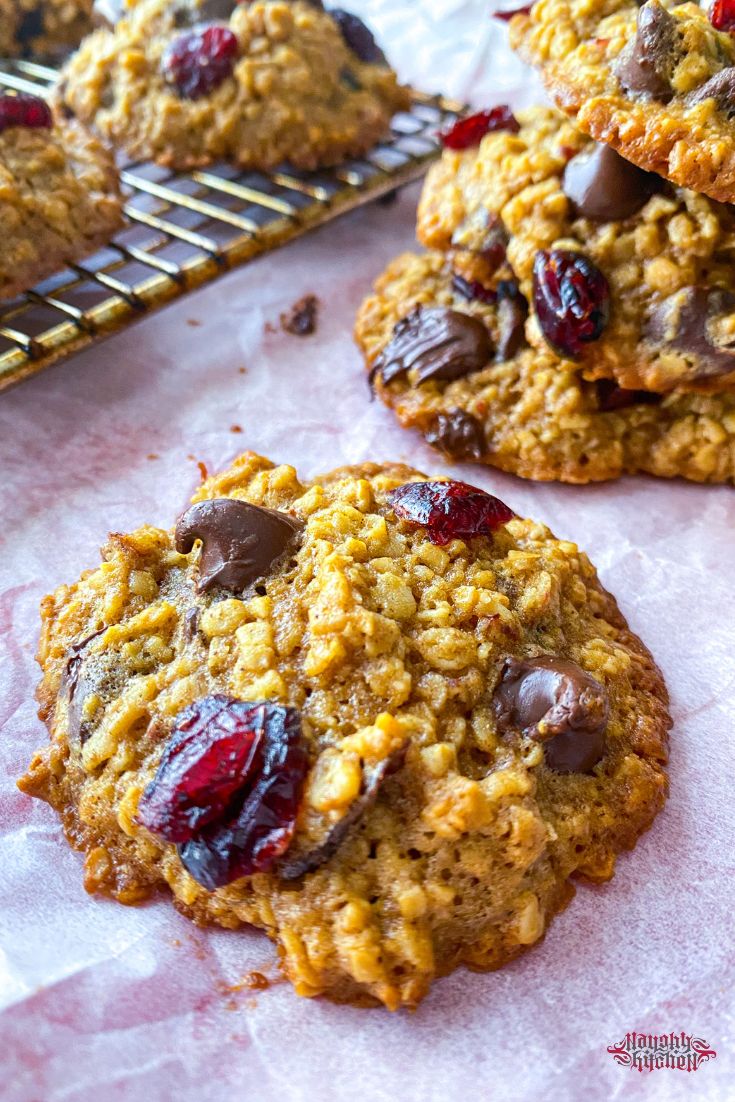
x: 235, y: 428
x: 301, y: 319
x: 153, y: 455
x: 193, y: 322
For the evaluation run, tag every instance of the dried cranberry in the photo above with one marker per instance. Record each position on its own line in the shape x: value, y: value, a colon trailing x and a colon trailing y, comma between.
x: 22, y: 109
x: 472, y: 290
x: 449, y: 510
x: 207, y: 761
x: 572, y: 300
x: 722, y: 15
x: 228, y: 788
x: 506, y: 16
x: 197, y: 62
x: 259, y: 831
x: 470, y: 131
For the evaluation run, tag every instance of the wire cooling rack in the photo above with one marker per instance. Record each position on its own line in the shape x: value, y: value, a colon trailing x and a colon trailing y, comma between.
x: 184, y: 229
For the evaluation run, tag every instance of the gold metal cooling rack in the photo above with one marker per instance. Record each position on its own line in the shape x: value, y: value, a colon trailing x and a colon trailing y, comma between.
x: 184, y: 229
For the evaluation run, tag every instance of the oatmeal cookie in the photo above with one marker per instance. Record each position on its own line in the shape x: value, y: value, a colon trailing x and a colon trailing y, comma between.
x: 666, y: 255
x: 43, y: 28
x: 382, y: 718
x: 531, y: 414
x: 59, y: 193
x: 188, y: 82
x: 657, y: 82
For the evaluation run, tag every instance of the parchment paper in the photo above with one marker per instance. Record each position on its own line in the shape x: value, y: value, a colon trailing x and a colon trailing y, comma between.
x: 104, y: 1002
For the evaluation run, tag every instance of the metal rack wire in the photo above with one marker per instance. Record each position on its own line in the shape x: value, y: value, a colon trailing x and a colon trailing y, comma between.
x: 184, y: 229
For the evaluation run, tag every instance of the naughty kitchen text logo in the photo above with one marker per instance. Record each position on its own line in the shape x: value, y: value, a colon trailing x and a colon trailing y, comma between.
x: 652, y: 1051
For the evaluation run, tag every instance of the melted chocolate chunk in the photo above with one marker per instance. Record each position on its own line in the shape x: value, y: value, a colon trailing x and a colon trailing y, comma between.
x: 240, y: 542
x: 720, y: 88
x: 435, y: 343
x: 560, y: 704
x: 78, y: 687
x: 357, y: 36
x: 297, y: 865
x: 682, y: 322
x: 458, y: 434
x: 191, y: 624
x: 603, y: 186
x: 31, y: 26
x: 645, y: 64
x: 512, y: 314
x: 301, y: 319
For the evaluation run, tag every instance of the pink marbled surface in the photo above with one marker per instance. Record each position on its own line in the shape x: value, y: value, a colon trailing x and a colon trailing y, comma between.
x: 106, y: 1002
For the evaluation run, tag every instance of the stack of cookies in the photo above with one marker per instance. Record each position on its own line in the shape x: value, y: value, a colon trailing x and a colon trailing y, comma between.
x: 575, y: 317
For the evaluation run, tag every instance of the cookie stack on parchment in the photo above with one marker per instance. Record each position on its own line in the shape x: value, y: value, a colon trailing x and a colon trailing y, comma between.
x: 574, y: 318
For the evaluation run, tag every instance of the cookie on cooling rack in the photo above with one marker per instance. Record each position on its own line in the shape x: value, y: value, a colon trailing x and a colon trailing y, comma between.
x: 59, y: 192
x: 188, y: 82
x: 656, y: 81
x: 442, y: 361
x: 381, y: 717
x: 627, y: 275
x: 43, y: 28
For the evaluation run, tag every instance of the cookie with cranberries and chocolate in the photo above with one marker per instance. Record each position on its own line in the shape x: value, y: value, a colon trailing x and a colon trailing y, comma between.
x: 189, y: 82
x: 59, y: 192
x: 618, y: 270
x: 656, y: 81
x: 439, y: 359
x: 377, y: 715
x: 43, y: 28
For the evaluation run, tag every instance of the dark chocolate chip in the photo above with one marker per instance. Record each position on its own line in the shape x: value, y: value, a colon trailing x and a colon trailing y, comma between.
x: 31, y: 26
x: 301, y: 319
x: 645, y: 65
x: 557, y: 702
x: 78, y: 687
x: 296, y: 864
x: 610, y: 397
x: 458, y: 434
x: 603, y: 186
x: 720, y: 88
x: 681, y: 323
x: 512, y: 314
x: 435, y: 343
x: 240, y: 542
x: 357, y: 36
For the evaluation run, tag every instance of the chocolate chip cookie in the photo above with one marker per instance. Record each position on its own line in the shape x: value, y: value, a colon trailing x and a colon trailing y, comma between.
x: 59, y: 192
x: 619, y: 271
x: 438, y: 359
x: 188, y: 82
x: 656, y: 81
x: 381, y: 717
x: 43, y: 28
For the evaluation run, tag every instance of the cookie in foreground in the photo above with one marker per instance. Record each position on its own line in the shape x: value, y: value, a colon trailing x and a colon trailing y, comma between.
x: 620, y: 271
x: 378, y: 716
x: 43, y: 28
x: 457, y: 370
x: 190, y: 82
x: 60, y: 192
x: 655, y: 81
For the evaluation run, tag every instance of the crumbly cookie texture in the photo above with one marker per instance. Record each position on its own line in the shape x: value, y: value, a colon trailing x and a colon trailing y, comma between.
x: 391, y: 648
x: 43, y: 28
x: 535, y: 415
x: 59, y: 201
x: 655, y: 82
x: 549, y: 187
x: 288, y: 85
